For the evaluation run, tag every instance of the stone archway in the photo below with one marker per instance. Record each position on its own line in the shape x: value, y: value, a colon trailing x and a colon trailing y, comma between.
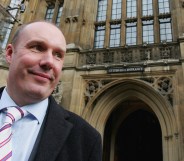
x: 139, y: 138
x: 132, y: 133
x: 121, y: 90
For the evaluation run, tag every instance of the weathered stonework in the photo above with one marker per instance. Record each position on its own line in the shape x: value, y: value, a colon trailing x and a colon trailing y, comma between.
x: 105, y: 99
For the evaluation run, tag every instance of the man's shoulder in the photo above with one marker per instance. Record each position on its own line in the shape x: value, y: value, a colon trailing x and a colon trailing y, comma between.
x: 79, y: 123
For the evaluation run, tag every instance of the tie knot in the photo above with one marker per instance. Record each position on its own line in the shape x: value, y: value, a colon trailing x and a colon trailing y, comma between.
x: 13, y: 114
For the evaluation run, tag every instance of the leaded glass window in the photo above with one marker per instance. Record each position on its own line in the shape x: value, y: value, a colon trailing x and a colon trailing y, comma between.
x: 49, y: 13
x: 147, y: 7
x: 131, y: 8
x: 139, y: 21
x: 163, y: 6
x: 58, y: 18
x: 115, y: 35
x: 8, y: 27
x: 99, y: 37
x: 116, y: 9
x: 131, y: 33
x: 165, y: 30
x: 102, y: 9
x: 148, y: 33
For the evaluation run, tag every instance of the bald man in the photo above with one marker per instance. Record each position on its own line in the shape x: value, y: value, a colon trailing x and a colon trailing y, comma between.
x: 48, y: 132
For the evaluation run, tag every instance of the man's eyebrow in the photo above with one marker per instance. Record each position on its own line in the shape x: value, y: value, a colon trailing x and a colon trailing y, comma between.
x: 36, y: 41
x: 62, y: 50
x: 42, y: 42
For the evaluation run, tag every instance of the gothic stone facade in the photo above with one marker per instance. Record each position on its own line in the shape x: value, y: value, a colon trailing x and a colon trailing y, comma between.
x: 128, y: 93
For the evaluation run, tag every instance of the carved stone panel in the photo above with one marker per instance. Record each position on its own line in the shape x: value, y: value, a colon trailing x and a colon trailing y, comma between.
x: 58, y: 92
x: 91, y: 58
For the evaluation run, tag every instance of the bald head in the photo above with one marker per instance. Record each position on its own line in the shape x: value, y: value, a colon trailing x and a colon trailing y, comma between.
x: 18, y: 33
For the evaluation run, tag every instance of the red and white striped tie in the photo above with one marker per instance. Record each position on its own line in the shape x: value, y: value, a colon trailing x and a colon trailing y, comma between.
x: 12, y: 114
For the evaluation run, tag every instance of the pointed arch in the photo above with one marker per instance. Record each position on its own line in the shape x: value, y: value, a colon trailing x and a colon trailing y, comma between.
x: 116, y: 92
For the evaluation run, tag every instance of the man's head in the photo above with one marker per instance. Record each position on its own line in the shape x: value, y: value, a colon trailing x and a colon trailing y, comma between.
x: 35, y: 60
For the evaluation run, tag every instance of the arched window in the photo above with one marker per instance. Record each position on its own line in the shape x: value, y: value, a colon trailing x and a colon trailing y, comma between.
x: 49, y: 13
x: 58, y: 18
x: 54, y: 11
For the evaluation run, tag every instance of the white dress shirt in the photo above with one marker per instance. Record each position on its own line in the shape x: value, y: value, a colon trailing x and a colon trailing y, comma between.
x: 25, y: 131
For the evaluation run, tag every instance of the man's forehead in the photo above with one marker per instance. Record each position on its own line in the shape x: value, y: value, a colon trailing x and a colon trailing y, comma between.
x: 37, y: 31
x: 36, y: 25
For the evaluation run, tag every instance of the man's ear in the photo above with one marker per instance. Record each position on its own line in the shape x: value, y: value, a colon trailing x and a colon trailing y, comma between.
x: 9, y: 53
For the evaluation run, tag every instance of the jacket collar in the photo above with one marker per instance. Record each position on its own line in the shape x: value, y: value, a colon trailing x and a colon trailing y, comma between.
x: 1, y: 91
x: 55, y: 132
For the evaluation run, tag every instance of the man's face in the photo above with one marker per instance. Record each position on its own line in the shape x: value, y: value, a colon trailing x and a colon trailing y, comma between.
x: 36, y: 61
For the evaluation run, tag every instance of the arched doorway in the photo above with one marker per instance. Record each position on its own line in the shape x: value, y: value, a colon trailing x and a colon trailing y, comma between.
x: 139, y: 138
x: 132, y: 133
x: 99, y: 110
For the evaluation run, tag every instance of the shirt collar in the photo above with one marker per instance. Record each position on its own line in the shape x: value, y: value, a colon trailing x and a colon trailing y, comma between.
x: 38, y: 110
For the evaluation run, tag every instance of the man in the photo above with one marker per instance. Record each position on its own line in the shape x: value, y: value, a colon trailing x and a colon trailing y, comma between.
x: 48, y: 132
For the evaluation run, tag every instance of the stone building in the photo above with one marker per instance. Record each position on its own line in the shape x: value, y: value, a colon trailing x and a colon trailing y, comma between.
x: 123, y: 71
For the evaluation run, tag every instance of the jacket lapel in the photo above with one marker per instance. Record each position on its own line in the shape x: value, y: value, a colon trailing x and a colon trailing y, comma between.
x: 54, y: 134
x: 1, y: 91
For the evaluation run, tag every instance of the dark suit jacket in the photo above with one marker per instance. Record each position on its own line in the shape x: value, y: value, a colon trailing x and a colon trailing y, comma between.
x: 66, y: 137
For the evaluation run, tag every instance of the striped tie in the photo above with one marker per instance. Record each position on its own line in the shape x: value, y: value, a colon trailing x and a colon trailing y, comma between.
x: 12, y: 114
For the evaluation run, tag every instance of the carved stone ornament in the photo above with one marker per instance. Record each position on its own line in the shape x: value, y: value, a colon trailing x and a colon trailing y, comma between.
x: 91, y: 58
x: 108, y: 57
x: 92, y: 86
x: 164, y: 85
x: 58, y: 92
x: 165, y: 52
x: 126, y: 56
x: 145, y: 54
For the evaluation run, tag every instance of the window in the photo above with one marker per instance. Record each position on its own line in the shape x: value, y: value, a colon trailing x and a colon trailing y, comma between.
x: 115, y: 35
x: 165, y: 30
x: 14, y: 4
x: 8, y: 26
x: 49, y: 13
x: 131, y: 8
x: 163, y: 6
x: 148, y: 34
x: 100, y: 28
x: 102, y: 9
x: 99, y: 37
x: 131, y: 33
x: 131, y: 28
x: 6, y: 33
x: 147, y: 7
x: 58, y: 18
x: 54, y: 12
x: 116, y: 9
x: 165, y: 21
x: 131, y: 18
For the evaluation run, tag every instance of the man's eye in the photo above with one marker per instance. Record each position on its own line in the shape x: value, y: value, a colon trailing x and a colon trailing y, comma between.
x: 58, y: 55
x: 36, y: 48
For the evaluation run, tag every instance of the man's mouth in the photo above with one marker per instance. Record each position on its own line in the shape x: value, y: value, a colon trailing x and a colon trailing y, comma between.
x: 41, y: 74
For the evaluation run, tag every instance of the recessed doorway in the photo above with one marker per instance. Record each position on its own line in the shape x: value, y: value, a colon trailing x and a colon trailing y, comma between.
x: 137, y: 137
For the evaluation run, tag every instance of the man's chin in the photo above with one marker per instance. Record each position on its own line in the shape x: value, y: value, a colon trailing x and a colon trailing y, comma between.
x: 39, y: 94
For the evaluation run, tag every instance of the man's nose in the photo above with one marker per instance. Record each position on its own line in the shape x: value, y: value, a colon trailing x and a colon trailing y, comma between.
x: 47, y: 61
